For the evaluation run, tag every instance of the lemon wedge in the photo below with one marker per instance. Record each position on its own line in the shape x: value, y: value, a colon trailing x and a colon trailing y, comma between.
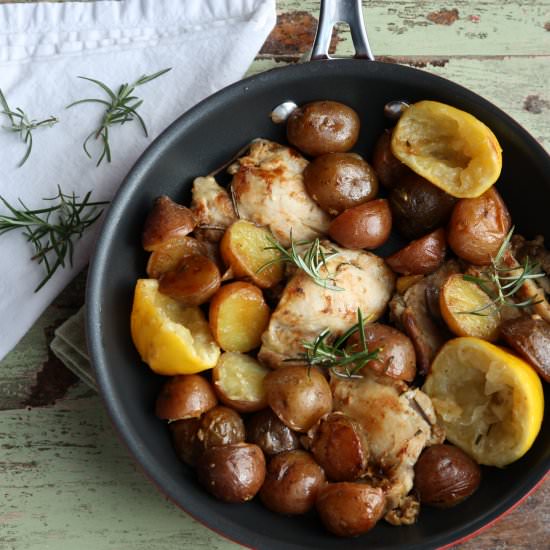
x: 490, y: 402
x: 171, y: 338
x: 450, y: 148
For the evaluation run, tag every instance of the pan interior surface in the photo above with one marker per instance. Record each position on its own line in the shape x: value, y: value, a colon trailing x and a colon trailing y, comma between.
x: 202, y: 140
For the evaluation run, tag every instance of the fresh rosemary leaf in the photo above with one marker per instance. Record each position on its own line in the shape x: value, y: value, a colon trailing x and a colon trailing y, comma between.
x: 52, y: 230
x: 335, y: 356
x: 501, y: 282
x: 21, y: 123
x: 121, y: 107
x: 310, y: 261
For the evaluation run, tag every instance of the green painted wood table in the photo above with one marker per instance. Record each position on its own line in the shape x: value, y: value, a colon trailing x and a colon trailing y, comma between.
x: 66, y: 480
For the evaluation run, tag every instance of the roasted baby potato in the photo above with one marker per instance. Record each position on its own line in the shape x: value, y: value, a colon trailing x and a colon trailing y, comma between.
x: 449, y: 147
x: 396, y: 357
x: 531, y: 339
x: 323, y: 127
x: 420, y: 257
x: 292, y: 483
x: 239, y: 382
x: 478, y: 227
x: 184, y: 439
x: 247, y: 249
x: 298, y: 395
x: 220, y: 426
x: 266, y: 430
x: 185, y: 396
x: 444, y: 476
x: 458, y: 297
x: 238, y: 316
x: 367, y: 225
x: 340, y: 446
x: 194, y: 281
x: 388, y: 168
x: 338, y: 181
x: 168, y: 256
x: 419, y: 207
x: 350, y: 509
x: 166, y: 221
x: 233, y: 473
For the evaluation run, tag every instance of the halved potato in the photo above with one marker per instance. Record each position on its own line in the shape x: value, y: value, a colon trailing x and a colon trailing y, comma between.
x: 463, y: 307
x: 239, y: 382
x: 245, y: 247
x: 167, y: 257
x: 167, y: 221
x: 171, y: 338
x: 449, y: 147
x: 238, y: 316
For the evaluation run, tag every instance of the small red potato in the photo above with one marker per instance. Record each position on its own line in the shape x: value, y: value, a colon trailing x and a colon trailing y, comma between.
x: 232, y: 473
x: 167, y: 257
x: 266, y: 430
x: 184, y: 439
x: 185, y: 396
x: 220, y: 426
x: 388, y: 168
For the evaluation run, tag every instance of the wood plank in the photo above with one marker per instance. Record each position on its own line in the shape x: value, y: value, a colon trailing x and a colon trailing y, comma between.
x: 67, y: 482
x: 458, y: 27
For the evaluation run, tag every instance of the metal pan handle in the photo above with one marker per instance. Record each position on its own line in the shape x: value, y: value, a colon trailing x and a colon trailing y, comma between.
x: 341, y: 11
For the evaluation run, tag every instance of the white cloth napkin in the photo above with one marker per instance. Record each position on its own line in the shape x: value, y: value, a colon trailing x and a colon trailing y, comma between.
x: 44, y: 47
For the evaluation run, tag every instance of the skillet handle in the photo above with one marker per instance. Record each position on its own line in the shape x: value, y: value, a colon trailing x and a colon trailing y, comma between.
x: 337, y: 11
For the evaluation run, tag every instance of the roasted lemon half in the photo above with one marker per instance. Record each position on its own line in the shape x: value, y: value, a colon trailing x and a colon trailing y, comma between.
x: 449, y: 147
x: 490, y: 402
x: 171, y: 338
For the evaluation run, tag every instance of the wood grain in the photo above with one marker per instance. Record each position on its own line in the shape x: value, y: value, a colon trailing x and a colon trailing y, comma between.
x: 66, y: 480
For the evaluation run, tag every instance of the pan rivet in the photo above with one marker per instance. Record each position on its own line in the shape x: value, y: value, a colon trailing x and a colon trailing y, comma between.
x: 394, y: 109
x: 282, y: 112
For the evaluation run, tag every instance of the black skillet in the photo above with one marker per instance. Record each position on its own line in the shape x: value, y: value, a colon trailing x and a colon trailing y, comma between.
x: 203, y: 139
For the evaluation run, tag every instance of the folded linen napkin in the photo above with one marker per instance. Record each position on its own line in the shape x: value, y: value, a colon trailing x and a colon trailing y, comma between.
x: 43, y: 48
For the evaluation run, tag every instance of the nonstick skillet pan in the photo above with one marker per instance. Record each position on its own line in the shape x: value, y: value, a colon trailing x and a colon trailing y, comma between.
x: 202, y: 140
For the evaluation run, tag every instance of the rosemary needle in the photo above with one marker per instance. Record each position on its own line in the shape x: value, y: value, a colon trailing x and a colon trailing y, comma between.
x: 501, y: 282
x: 121, y: 107
x: 23, y: 125
x: 51, y: 230
x: 310, y: 261
x: 341, y: 361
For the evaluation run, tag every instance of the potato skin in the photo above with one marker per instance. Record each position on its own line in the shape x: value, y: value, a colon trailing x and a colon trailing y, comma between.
x: 396, y: 355
x: 323, y: 127
x: 184, y: 439
x: 350, y: 509
x: 367, y: 225
x: 340, y: 446
x: 220, y: 426
x: 298, y: 395
x: 166, y: 221
x: 337, y: 181
x: 478, y: 227
x: 292, y: 483
x: 531, y: 339
x: 389, y: 169
x: 266, y: 430
x: 420, y: 257
x: 418, y: 206
x: 167, y: 257
x: 194, y: 281
x: 185, y: 396
x: 232, y: 473
x: 444, y: 476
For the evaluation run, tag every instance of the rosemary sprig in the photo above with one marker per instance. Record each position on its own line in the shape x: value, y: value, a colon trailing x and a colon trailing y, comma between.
x: 23, y: 125
x: 501, y: 282
x: 335, y: 356
x: 310, y: 261
x: 52, y: 230
x: 120, y: 108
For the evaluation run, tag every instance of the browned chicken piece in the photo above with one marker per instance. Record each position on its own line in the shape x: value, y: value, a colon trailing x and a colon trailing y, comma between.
x: 212, y: 207
x: 417, y: 311
x: 269, y: 190
x: 399, y: 423
x: 305, y: 308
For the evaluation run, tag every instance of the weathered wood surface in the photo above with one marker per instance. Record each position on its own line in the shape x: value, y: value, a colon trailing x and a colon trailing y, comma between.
x: 66, y: 480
